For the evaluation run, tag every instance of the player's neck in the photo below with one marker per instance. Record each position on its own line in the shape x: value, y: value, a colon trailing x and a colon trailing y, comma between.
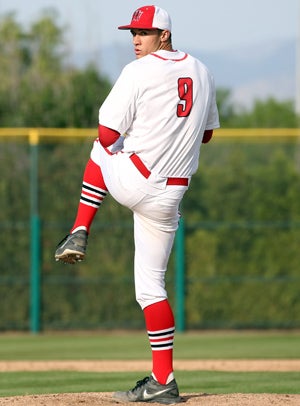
x: 165, y: 46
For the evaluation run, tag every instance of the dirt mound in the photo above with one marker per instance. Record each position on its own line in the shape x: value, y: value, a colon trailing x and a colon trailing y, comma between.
x: 101, y: 399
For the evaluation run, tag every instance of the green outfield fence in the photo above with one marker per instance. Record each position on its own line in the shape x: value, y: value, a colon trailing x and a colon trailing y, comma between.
x: 235, y: 262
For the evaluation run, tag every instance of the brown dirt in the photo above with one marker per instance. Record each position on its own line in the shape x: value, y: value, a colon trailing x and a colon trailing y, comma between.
x: 103, y: 398
x: 180, y: 365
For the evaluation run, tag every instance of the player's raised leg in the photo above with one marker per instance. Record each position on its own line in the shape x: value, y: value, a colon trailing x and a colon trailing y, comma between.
x: 73, y: 247
x: 92, y: 195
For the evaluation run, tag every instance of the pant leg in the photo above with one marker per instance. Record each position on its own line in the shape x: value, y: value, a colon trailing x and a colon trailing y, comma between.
x: 155, y: 223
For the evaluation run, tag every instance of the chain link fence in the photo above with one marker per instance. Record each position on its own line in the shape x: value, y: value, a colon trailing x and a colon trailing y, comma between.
x: 241, y: 237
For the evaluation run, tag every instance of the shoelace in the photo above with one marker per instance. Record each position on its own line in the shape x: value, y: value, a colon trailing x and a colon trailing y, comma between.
x: 140, y: 383
x: 63, y: 240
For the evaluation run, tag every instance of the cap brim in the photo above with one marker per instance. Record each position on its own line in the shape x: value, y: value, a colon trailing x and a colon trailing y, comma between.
x: 129, y: 27
x: 124, y: 27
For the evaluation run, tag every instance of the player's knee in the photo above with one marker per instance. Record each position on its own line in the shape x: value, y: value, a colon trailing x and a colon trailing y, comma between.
x: 147, y: 300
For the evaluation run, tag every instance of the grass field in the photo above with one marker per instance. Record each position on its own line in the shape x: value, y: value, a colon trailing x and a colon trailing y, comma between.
x: 134, y: 346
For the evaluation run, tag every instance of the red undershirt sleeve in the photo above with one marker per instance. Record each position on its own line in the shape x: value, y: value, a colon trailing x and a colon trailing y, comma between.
x: 207, y: 136
x: 107, y: 136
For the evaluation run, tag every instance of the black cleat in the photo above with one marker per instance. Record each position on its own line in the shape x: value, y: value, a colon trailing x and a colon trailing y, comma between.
x: 149, y: 390
x: 72, y: 248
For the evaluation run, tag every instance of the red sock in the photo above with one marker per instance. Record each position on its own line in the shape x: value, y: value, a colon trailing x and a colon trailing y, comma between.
x: 161, y: 327
x: 93, y: 192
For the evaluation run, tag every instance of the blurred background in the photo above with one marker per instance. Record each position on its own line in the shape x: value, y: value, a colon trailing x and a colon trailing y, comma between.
x: 249, y: 46
x: 236, y: 259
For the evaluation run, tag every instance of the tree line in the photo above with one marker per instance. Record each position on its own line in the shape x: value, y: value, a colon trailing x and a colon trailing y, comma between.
x: 40, y: 88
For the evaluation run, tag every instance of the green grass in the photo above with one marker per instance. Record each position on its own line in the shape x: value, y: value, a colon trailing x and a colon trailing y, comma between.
x: 97, y: 346
x: 134, y: 345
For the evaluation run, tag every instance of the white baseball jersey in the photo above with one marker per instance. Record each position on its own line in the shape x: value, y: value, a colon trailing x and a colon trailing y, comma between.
x: 163, y: 102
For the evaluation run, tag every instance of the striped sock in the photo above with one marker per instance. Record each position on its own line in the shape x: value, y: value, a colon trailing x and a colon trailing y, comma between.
x: 161, y: 328
x: 92, y: 195
x: 93, y: 192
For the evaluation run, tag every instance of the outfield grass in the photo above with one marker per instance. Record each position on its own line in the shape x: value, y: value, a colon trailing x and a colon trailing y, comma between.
x: 100, y: 346
x: 123, y: 346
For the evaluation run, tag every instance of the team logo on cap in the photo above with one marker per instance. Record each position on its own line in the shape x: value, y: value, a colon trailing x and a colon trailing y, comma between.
x: 137, y: 15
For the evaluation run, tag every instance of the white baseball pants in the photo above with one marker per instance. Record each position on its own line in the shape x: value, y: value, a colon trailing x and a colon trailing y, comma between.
x: 155, y: 207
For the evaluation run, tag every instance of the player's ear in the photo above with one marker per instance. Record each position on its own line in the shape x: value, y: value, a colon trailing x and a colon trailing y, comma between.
x: 165, y: 35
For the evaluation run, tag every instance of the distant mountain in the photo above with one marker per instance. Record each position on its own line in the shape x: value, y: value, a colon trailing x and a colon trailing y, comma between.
x: 253, y: 72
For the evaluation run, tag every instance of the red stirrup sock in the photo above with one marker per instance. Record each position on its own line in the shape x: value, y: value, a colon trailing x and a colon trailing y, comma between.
x: 160, y: 326
x: 93, y: 192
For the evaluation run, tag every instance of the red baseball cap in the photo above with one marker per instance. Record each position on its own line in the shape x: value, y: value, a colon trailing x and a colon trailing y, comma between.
x: 149, y: 18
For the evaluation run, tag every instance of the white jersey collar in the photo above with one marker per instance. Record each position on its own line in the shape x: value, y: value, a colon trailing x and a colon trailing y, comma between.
x: 170, y: 55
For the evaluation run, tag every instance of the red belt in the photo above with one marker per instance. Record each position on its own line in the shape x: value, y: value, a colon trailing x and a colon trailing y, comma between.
x: 138, y: 163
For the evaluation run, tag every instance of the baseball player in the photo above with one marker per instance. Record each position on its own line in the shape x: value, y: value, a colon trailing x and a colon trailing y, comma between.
x: 164, y: 101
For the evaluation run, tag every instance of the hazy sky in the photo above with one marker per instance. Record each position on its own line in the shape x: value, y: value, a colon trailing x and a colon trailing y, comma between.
x: 207, y: 25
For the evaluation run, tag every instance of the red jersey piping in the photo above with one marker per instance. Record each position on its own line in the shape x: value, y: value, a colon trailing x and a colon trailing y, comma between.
x: 170, y: 59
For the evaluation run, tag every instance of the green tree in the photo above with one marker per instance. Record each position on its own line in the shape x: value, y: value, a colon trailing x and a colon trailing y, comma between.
x: 13, y: 60
x: 38, y: 88
x: 225, y: 106
x: 269, y: 113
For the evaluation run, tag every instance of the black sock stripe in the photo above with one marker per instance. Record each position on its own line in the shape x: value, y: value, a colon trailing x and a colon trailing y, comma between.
x: 165, y: 333
x: 96, y: 191
x: 162, y: 345
x: 96, y: 203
